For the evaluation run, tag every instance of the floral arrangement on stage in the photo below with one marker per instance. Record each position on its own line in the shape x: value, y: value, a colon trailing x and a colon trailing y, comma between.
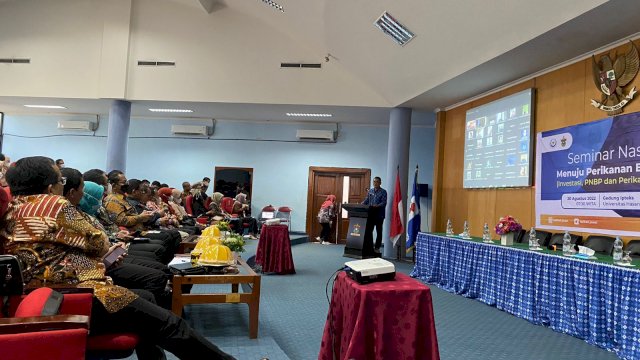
x: 507, y: 224
x: 223, y: 226
x: 234, y: 242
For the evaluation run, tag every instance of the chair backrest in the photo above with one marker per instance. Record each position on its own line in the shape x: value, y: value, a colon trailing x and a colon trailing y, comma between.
x: 600, y: 244
x: 633, y: 246
x: 267, y: 212
x: 558, y: 239
x: 226, y: 204
x: 519, y: 237
x: 542, y: 236
x: 188, y: 201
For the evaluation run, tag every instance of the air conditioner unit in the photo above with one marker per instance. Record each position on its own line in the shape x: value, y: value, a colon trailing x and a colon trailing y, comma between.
x: 77, y: 125
x: 191, y: 130
x: 324, y: 135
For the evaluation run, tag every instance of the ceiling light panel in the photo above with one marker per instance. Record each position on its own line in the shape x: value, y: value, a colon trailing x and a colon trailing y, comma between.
x: 309, y: 115
x: 172, y: 110
x: 45, y: 106
x: 400, y: 34
x: 274, y: 5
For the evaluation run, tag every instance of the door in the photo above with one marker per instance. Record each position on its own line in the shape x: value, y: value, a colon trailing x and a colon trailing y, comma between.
x: 347, y: 184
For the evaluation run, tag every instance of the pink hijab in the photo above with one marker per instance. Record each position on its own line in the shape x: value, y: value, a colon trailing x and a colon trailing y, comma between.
x: 331, y: 199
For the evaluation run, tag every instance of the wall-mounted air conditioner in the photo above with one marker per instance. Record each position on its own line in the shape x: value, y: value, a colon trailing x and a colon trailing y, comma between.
x: 77, y: 125
x: 191, y: 130
x: 318, y: 135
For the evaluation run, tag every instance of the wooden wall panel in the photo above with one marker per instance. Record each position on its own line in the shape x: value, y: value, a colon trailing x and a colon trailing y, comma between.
x: 562, y: 99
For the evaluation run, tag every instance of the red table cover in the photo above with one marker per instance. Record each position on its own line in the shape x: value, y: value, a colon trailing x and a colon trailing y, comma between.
x: 382, y: 320
x: 274, y: 250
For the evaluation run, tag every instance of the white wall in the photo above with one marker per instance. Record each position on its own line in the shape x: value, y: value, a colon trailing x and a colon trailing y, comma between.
x: 90, y: 49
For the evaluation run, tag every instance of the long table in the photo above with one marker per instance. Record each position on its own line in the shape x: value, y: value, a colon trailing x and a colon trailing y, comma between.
x: 592, y: 300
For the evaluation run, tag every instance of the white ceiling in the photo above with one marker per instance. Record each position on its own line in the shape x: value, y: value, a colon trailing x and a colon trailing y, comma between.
x: 462, y: 48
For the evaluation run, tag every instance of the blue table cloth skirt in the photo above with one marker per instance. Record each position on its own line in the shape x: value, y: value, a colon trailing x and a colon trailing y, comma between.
x: 597, y: 302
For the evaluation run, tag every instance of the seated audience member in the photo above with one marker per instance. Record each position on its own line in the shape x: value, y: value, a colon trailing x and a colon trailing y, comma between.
x: 186, y: 190
x: 56, y: 244
x: 155, y: 204
x: 123, y: 214
x: 241, y: 208
x: 176, y: 202
x: 199, y: 202
x: 151, y: 253
x: 215, y: 210
x: 60, y: 163
x: 146, y: 253
x: 99, y: 177
x: 128, y: 275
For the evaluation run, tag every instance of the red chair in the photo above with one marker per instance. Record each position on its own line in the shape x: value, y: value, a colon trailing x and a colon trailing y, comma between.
x: 188, y: 202
x: 284, y: 214
x: 226, y: 204
x: 26, y: 334
x: 267, y: 212
x: 76, y: 306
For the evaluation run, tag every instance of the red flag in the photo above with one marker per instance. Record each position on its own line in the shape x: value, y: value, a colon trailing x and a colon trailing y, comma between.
x: 397, y: 226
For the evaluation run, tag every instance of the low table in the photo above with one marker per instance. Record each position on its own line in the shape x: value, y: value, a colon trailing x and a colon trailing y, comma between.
x: 247, y: 278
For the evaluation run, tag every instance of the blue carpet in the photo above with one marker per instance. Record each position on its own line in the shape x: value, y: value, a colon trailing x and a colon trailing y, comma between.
x: 293, y: 309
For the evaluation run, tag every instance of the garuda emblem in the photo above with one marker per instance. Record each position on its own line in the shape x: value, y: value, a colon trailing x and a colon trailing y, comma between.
x: 611, y: 78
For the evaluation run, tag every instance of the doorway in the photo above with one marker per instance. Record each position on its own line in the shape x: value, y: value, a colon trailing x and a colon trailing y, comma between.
x: 347, y: 184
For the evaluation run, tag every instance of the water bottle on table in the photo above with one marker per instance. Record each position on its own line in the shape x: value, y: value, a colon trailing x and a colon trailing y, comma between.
x: 617, y: 250
x: 486, y: 236
x: 533, y: 240
x: 449, y: 227
x: 566, y: 244
x: 465, y: 230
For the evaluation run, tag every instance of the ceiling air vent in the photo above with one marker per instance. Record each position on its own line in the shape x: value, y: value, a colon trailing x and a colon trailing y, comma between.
x: 15, y: 61
x: 394, y: 29
x: 156, y: 63
x: 298, y: 65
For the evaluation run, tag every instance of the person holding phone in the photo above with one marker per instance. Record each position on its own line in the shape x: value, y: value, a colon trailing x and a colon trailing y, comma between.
x: 132, y: 276
x: 55, y: 244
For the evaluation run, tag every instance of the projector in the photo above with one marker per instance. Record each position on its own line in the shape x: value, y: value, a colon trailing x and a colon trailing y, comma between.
x: 370, y: 270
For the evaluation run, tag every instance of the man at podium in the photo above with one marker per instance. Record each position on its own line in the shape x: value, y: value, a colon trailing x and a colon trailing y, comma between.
x: 377, y: 201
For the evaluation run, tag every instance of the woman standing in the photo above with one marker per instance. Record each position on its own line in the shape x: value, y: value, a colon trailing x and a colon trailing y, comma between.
x: 325, y: 217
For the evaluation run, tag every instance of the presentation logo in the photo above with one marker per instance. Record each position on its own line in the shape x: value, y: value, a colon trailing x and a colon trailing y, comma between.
x: 356, y: 230
x: 563, y: 141
x: 611, y: 76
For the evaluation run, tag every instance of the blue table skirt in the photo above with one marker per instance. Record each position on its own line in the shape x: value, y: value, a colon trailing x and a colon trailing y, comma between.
x: 597, y: 302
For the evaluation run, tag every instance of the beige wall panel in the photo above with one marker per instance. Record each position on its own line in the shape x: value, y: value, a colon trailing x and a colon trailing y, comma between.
x: 562, y: 99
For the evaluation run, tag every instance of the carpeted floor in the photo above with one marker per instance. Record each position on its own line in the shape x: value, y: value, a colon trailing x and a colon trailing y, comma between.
x: 293, y: 310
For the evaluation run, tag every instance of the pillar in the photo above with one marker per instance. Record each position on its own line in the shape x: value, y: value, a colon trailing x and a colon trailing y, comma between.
x: 397, y: 157
x: 118, y: 134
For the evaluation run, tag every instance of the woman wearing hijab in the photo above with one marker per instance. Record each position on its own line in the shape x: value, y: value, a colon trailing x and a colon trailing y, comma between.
x: 147, y: 254
x: 240, y: 208
x: 325, y: 217
x: 215, y: 210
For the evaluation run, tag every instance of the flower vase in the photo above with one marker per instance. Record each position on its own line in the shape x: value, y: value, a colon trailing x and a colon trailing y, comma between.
x: 507, y: 239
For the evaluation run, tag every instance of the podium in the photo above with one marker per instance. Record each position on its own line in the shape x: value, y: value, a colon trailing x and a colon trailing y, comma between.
x: 359, y: 244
